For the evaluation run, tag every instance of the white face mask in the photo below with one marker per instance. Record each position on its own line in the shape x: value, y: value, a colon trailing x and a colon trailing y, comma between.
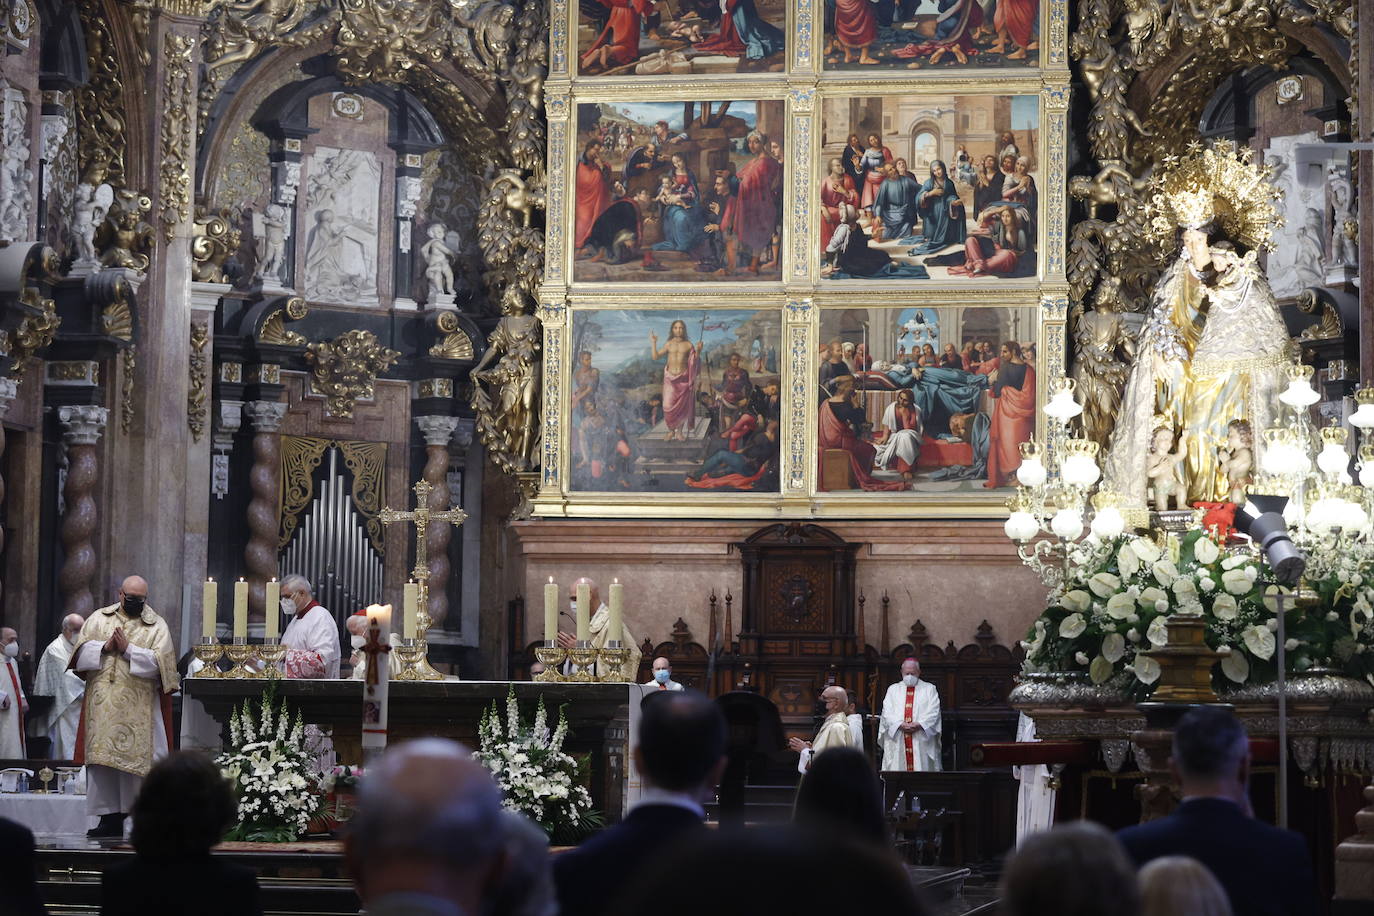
x: 910, y: 680
x: 12, y: 650
x: 288, y: 606
x: 572, y: 605
x: 74, y: 639
x: 358, y: 641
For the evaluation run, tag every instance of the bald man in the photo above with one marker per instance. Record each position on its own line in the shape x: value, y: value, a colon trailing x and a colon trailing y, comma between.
x: 13, y: 704
x: 835, y: 730
x: 663, y: 676
x: 126, y: 657
x: 55, y: 679
x: 600, y: 623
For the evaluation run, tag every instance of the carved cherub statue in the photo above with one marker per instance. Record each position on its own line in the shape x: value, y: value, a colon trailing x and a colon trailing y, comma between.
x: 125, y: 239
x: 437, y: 255
x: 1165, y: 469
x: 90, y: 202
x: 271, y: 238
x: 1237, y: 459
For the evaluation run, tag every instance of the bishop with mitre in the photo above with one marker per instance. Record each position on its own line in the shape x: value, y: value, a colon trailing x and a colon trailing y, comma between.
x: 910, y: 723
x: 125, y: 654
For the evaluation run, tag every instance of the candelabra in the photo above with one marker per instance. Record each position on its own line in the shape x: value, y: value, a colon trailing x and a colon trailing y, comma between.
x: 208, y: 651
x: 240, y: 653
x: 271, y: 652
x: 551, y: 656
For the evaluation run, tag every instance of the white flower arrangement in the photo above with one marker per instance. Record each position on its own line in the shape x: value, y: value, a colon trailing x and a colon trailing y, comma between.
x: 536, y: 776
x: 270, y: 767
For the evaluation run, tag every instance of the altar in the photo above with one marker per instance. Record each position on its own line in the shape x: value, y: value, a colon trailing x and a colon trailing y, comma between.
x: 602, y: 718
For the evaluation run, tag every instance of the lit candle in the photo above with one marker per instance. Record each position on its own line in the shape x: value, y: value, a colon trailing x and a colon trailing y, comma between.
x: 410, y: 607
x: 272, y: 623
x: 241, y: 609
x: 376, y: 686
x: 380, y: 615
x: 209, y: 607
x: 584, y: 612
x: 616, y: 624
x: 550, y: 612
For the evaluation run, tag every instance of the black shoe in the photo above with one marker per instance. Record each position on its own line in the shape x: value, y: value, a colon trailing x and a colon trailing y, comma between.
x: 110, y: 826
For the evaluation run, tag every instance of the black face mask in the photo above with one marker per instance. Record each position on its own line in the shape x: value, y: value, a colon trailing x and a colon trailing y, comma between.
x: 133, y: 605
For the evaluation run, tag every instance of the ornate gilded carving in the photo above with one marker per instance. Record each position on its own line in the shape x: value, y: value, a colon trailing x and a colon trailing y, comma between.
x: 178, y: 98
x: 366, y: 462
x: 1328, y: 325
x: 456, y: 343
x: 198, y: 369
x: 129, y: 360
x: 117, y: 321
x: 102, y: 132
x: 346, y: 368
x: 33, y: 334
x: 505, y: 391
x: 214, y: 237
x: 274, y: 328
x: 125, y: 239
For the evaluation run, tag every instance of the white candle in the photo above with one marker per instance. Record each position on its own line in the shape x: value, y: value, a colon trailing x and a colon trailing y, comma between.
x: 550, y: 612
x: 617, y: 622
x: 376, y: 686
x: 410, y: 605
x: 241, y: 609
x: 584, y: 612
x: 272, y: 622
x: 209, y: 608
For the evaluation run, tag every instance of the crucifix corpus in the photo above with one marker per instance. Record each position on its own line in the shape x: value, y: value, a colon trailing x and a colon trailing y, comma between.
x: 422, y: 516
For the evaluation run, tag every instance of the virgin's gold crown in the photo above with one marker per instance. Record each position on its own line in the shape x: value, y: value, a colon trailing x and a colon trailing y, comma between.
x: 1217, y: 183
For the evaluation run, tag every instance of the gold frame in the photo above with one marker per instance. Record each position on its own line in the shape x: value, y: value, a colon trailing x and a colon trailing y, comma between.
x: 801, y: 295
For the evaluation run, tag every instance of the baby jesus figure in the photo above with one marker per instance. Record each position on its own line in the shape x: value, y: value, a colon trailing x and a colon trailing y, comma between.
x: 1164, y: 469
x: 1238, y: 459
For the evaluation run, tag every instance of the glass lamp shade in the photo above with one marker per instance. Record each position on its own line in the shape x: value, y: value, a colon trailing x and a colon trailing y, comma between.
x: 1333, y: 458
x: 1108, y: 523
x: 1032, y: 472
x: 1063, y: 407
x: 1080, y: 471
x: 1021, y: 527
x: 1067, y: 524
x: 1352, y: 517
x: 1363, y: 417
x: 1299, y: 394
x: 1367, y: 475
x: 1323, y: 515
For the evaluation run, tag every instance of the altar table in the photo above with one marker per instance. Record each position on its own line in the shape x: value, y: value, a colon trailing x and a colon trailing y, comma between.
x: 50, y: 815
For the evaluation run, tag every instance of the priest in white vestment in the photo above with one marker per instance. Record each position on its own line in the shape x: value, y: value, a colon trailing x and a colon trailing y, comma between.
x: 13, y: 703
x: 1035, y: 801
x: 910, y: 723
x: 311, y: 637
x: 357, y: 638
x: 600, y: 630
x: 55, y: 679
x: 663, y: 676
x: 125, y: 655
x: 834, y: 731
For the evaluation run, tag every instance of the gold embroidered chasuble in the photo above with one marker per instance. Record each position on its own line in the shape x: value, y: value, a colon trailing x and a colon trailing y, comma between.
x: 119, y: 717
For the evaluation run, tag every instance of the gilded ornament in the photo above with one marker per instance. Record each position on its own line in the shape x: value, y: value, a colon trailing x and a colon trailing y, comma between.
x: 505, y: 391
x: 274, y: 330
x: 178, y: 96
x: 33, y: 334
x: 1328, y: 325
x: 214, y: 238
x: 346, y: 368
x: 198, y: 370
x: 296, y: 308
x: 456, y: 343
x: 102, y: 131
x: 117, y: 321
x: 129, y: 359
x: 125, y: 239
x: 1217, y: 184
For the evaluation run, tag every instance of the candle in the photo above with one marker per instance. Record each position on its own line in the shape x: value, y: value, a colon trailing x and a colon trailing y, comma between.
x: 241, y: 609
x: 380, y: 616
x: 376, y: 686
x: 209, y: 606
x: 584, y: 612
x: 410, y: 606
x: 272, y: 624
x: 550, y: 612
x: 616, y: 624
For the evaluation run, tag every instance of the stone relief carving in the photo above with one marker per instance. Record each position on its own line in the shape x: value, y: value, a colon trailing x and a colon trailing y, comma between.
x: 341, y: 209
x: 1344, y: 227
x: 16, y: 177
x: 1297, y: 261
x: 408, y: 192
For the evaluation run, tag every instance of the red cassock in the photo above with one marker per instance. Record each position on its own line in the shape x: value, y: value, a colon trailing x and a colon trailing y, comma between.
x: 1013, y: 422
x: 835, y: 433
x: 754, y: 214
x: 593, y: 197
x: 855, y: 24
x: 621, y: 33
x: 1018, y: 18
x: 831, y: 200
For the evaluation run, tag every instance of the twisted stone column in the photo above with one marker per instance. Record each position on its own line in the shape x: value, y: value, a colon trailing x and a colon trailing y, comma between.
x: 8, y: 388
x: 260, y: 556
x: 81, y: 426
x: 437, y: 431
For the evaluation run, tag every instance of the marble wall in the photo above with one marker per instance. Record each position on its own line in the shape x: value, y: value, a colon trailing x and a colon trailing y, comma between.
x: 951, y: 575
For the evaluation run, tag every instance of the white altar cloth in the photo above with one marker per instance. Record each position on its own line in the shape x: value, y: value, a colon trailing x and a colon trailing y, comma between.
x: 50, y: 815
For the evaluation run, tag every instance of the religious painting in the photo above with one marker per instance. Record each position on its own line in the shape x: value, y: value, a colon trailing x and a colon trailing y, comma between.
x: 925, y: 399
x: 342, y: 200
x: 669, y: 401
x: 678, y: 191
x: 931, y: 35
x: 676, y: 37
x: 930, y: 187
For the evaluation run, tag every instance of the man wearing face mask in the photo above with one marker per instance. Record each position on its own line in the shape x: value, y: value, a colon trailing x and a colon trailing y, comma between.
x: 357, y: 637
x: 53, y: 679
x: 13, y: 704
x: 311, y: 636
x: 911, y: 723
x: 125, y: 655
x: 663, y: 676
x: 600, y: 628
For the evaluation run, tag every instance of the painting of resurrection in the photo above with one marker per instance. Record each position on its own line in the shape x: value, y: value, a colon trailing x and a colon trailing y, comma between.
x: 678, y: 191
x: 648, y: 37
x: 675, y: 401
x: 931, y: 34
x: 931, y: 400
x: 929, y: 187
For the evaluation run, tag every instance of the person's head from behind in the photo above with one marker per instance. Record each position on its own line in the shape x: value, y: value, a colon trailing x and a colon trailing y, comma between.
x: 1075, y: 869
x: 1179, y: 884
x: 841, y: 792
x: 428, y: 822
x: 1211, y: 754
x: 184, y: 807
x: 681, y: 741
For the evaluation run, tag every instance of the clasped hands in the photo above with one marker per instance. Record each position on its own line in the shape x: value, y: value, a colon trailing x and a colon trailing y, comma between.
x: 117, y: 643
x: 798, y: 745
x: 909, y: 727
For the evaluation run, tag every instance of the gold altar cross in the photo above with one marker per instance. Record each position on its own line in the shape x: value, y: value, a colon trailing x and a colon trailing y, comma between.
x: 422, y: 517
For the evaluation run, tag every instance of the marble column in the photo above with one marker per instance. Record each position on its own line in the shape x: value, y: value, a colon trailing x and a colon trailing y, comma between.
x: 81, y: 427
x: 8, y: 389
x: 260, y: 556
x: 437, y: 430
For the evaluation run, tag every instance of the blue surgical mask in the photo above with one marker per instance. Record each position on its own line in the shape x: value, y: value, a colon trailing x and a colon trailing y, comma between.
x: 662, y: 675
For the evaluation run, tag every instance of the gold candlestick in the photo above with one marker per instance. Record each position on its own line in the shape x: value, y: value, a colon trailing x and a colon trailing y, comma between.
x: 551, y: 657
x: 209, y: 652
x: 45, y: 776
x: 239, y: 653
x: 411, y: 652
x: 583, y: 658
x: 272, y: 652
x: 613, y: 659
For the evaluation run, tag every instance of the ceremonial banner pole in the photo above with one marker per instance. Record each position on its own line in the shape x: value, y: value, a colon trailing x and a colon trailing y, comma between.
x: 377, y: 683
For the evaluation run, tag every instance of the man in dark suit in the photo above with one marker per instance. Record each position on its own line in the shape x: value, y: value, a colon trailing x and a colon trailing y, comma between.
x: 18, y: 892
x: 680, y: 756
x: 1265, y: 871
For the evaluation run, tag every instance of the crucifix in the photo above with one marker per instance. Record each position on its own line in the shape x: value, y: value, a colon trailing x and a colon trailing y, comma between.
x: 422, y: 516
